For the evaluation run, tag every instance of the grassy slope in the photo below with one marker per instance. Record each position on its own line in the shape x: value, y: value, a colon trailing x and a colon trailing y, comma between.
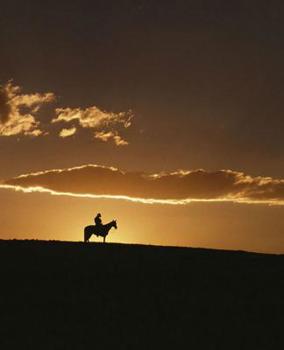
x: 62, y: 295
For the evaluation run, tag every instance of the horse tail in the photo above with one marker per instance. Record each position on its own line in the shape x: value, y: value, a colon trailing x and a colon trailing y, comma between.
x: 85, y: 234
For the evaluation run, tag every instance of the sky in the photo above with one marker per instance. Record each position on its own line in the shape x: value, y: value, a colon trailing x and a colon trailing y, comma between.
x: 164, y: 115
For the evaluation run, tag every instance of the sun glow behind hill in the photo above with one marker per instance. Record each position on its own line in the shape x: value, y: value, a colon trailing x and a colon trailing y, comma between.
x: 41, y: 216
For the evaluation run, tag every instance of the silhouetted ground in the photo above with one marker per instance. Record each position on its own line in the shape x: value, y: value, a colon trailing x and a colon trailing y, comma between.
x: 60, y: 295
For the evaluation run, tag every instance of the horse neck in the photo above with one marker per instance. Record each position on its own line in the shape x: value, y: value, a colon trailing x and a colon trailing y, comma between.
x: 109, y: 225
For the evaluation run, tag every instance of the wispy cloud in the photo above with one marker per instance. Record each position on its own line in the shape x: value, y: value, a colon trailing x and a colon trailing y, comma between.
x: 104, y: 124
x: 67, y: 132
x: 180, y: 187
x: 19, y: 115
x: 110, y: 135
x: 18, y: 111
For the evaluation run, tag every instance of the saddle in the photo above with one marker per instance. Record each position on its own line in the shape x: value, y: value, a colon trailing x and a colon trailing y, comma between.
x: 98, y: 230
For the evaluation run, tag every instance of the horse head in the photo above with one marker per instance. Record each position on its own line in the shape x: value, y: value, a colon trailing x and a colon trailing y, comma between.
x: 114, y: 224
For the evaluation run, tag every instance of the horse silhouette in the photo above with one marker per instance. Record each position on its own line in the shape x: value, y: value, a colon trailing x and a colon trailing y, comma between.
x: 101, y: 230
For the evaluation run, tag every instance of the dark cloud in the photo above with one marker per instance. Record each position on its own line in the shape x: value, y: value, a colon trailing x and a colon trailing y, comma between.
x: 177, y: 187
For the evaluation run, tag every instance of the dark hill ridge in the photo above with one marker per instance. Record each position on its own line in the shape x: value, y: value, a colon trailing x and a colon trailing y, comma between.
x: 62, y: 295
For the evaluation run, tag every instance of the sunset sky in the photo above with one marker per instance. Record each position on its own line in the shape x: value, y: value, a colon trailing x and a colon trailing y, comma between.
x: 165, y: 115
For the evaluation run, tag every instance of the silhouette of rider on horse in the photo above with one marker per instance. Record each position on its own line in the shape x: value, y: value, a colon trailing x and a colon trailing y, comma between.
x: 98, y: 220
x: 99, y: 229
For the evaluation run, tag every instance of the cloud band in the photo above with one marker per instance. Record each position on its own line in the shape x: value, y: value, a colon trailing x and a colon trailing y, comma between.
x: 180, y: 187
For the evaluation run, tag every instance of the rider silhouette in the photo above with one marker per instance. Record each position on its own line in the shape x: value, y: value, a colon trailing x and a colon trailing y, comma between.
x: 98, y: 220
